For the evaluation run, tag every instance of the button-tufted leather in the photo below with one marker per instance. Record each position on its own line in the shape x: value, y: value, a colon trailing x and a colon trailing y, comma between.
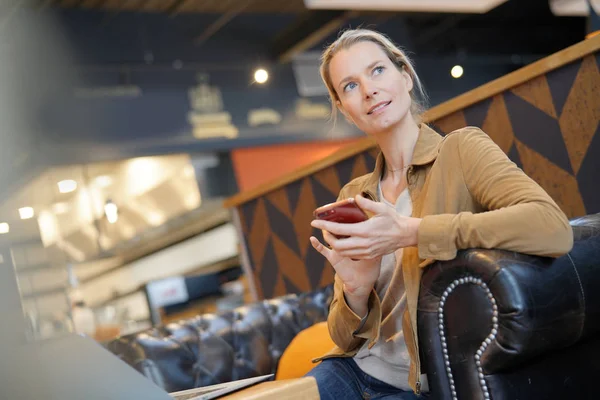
x: 548, y: 322
x: 546, y: 344
x: 216, y: 348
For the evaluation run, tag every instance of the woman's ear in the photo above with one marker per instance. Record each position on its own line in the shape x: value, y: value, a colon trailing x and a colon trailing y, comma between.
x: 408, y: 79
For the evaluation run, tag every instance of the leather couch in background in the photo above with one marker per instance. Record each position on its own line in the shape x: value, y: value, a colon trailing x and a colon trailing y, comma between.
x: 216, y: 348
x: 493, y: 324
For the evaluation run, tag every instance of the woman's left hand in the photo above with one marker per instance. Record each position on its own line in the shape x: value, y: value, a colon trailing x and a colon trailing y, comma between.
x: 384, y: 233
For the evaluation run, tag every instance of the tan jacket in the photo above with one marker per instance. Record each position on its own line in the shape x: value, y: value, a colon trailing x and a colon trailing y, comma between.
x: 469, y: 195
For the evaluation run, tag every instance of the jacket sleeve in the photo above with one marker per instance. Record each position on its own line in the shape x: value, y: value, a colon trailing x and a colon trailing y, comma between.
x: 520, y: 216
x: 343, y: 322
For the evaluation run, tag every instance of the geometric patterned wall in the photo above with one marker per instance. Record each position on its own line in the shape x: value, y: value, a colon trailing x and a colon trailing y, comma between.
x: 549, y: 126
x: 276, y: 228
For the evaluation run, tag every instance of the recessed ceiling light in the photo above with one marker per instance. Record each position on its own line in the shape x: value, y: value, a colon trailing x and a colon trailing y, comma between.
x: 26, y: 212
x: 261, y: 75
x: 67, y: 186
x: 4, y: 228
x: 457, y: 71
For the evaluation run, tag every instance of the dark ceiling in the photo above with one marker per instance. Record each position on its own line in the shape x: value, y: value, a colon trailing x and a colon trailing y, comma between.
x: 517, y: 27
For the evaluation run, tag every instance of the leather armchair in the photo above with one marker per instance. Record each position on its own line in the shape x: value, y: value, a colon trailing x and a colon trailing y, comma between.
x: 492, y: 324
x: 502, y: 325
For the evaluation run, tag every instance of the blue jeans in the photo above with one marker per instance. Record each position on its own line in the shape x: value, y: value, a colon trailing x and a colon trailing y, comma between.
x: 340, y: 378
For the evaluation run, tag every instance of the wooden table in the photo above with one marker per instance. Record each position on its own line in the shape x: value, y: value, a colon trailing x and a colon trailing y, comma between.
x: 288, y: 389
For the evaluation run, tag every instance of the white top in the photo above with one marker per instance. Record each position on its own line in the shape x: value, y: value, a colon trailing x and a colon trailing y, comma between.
x: 389, y: 362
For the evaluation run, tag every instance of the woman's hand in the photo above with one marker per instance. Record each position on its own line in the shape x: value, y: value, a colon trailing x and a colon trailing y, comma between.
x: 385, y: 232
x: 359, y: 277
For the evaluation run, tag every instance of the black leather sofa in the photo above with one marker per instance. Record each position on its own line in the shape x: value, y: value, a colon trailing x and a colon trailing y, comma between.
x: 216, y: 348
x: 502, y: 325
x: 493, y: 324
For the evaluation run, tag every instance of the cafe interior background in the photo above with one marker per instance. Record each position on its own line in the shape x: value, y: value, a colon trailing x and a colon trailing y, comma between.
x: 124, y: 125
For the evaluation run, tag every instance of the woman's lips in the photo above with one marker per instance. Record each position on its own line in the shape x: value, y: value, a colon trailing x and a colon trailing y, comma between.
x: 378, y: 107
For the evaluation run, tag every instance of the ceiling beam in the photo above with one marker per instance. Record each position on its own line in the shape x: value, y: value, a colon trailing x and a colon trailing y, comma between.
x: 175, y: 8
x: 223, y: 20
x: 307, y: 31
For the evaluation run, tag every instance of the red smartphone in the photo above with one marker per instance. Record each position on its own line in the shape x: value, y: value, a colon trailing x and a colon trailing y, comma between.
x: 344, y: 211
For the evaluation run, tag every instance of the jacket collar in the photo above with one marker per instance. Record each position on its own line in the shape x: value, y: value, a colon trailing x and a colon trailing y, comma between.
x: 425, y: 152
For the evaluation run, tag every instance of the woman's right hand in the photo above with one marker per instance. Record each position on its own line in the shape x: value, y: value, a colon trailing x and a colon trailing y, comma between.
x: 359, y: 277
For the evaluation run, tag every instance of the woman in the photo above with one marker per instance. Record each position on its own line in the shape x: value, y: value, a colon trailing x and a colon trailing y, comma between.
x: 428, y: 197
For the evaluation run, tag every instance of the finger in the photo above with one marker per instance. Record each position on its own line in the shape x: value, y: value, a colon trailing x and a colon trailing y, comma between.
x: 338, y: 229
x: 370, y: 205
x: 350, y: 244
x: 320, y: 247
x: 329, y: 238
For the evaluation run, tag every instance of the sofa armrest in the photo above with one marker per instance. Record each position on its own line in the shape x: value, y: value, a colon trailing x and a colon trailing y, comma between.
x: 488, y: 311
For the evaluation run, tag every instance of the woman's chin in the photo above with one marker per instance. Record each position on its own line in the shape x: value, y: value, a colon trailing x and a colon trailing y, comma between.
x: 383, y: 125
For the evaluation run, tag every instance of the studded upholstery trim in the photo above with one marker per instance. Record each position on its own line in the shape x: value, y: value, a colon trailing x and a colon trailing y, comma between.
x: 485, y: 343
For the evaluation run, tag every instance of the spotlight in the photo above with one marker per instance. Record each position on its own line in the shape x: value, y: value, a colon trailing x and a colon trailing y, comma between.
x: 261, y: 75
x: 457, y: 71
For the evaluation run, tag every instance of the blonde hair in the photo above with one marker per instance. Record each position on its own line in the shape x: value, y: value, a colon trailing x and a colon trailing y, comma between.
x: 398, y: 57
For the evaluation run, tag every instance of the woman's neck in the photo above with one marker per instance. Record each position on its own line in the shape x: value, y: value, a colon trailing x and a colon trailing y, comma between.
x: 397, y: 145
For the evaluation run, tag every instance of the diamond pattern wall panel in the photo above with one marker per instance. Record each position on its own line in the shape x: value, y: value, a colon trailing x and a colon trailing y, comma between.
x: 276, y: 229
x: 548, y: 126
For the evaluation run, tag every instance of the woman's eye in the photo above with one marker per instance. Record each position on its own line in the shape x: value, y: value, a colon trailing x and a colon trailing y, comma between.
x: 349, y: 86
x: 378, y: 70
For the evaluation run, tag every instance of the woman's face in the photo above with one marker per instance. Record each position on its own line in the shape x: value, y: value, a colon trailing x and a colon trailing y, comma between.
x: 372, y: 92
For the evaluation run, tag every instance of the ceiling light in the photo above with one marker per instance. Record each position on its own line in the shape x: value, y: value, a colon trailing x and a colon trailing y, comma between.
x: 111, y: 211
x: 457, y: 71
x: 26, y: 212
x: 261, y: 76
x: 67, y: 186
x: 103, y: 181
x: 4, y: 227
x: 60, y: 208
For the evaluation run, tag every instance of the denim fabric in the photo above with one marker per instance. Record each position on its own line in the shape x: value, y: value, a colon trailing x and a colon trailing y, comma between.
x: 340, y: 378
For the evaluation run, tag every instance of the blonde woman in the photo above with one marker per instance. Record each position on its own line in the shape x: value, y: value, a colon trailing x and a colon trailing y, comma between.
x: 428, y: 197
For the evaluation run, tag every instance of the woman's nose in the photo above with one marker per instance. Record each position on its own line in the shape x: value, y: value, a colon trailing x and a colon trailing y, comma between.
x: 370, y: 92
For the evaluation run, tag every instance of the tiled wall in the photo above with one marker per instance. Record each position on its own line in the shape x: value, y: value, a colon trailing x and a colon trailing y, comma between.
x: 549, y: 126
